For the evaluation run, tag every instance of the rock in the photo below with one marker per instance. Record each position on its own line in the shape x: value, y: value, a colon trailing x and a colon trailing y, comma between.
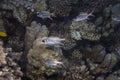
x: 107, y: 11
x: 116, y: 9
x: 99, y: 21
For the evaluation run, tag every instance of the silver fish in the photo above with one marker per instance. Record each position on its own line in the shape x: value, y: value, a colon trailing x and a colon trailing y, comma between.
x: 51, y: 40
x: 53, y: 63
x: 44, y: 15
x: 83, y: 16
x: 116, y: 18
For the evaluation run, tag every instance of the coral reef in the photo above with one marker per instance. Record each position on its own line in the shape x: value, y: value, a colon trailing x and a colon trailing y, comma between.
x: 18, y: 12
x: 85, y: 30
x: 59, y: 7
x: 98, y: 53
x: 37, y: 58
x: 9, y: 69
x: 33, y: 32
x: 76, y: 56
x: 69, y: 44
x: 79, y: 73
x: 90, y: 50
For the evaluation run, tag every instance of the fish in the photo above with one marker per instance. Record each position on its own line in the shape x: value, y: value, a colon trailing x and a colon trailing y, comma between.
x: 3, y: 34
x: 83, y: 16
x: 53, y: 63
x: 51, y: 40
x: 116, y: 18
x: 44, y: 15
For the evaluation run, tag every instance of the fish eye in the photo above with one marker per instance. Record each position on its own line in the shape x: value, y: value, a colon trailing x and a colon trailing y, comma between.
x: 43, y: 40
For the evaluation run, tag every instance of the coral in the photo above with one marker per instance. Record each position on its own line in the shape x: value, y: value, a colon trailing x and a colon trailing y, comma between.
x: 76, y: 56
x: 85, y: 29
x: 68, y: 44
x: 98, y: 53
x: 109, y: 62
x: 2, y: 55
x: 18, y: 12
x: 15, y: 43
x: 75, y: 34
x: 2, y: 29
x: 40, y: 5
x: 59, y: 7
x: 78, y: 73
x: 9, y: 70
x: 33, y: 32
x: 38, y: 56
x: 33, y: 5
x: 116, y: 49
x: 24, y: 10
x: 91, y: 47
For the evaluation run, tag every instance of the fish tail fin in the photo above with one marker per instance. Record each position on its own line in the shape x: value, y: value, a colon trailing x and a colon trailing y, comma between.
x: 91, y: 13
x: 62, y: 39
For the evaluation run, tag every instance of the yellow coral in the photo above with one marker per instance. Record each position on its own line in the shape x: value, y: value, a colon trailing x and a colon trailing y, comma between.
x: 3, y: 34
